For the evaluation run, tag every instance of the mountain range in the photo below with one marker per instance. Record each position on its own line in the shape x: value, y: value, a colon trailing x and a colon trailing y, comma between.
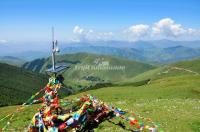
x: 83, y: 73
x: 155, y: 52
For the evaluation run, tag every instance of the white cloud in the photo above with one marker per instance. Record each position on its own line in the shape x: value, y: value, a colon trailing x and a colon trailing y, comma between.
x: 78, y: 30
x: 2, y: 41
x: 138, y: 29
x: 194, y: 32
x: 136, y: 32
x: 165, y: 28
x: 82, y: 34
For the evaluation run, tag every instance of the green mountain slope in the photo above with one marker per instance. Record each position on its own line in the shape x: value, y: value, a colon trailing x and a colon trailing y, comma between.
x: 172, y: 98
x: 190, y: 67
x: 17, y: 84
x: 193, y: 65
x: 172, y: 101
x: 80, y: 74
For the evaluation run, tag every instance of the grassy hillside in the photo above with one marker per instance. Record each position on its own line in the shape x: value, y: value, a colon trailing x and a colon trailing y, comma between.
x: 17, y: 84
x: 190, y: 67
x: 172, y: 97
x: 86, y: 77
x: 172, y: 101
x: 12, y: 60
x: 193, y: 65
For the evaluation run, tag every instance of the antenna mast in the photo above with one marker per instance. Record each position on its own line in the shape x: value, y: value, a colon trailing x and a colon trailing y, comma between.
x: 56, y: 69
x: 53, y: 50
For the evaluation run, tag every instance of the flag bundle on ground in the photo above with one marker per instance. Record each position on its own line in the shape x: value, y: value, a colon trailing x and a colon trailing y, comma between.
x: 82, y: 114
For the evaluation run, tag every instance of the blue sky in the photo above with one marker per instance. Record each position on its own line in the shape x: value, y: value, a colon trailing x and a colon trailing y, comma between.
x: 31, y: 20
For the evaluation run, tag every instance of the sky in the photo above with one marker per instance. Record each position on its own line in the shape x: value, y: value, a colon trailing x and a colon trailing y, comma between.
x: 96, y: 20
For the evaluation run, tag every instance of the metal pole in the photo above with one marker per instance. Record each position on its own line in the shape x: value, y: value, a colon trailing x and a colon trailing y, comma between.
x: 53, y: 50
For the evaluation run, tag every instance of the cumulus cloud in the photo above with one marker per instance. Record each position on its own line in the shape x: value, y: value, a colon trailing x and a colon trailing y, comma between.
x: 2, y: 41
x: 82, y: 34
x: 165, y: 28
x: 138, y: 30
x: 135, y: 32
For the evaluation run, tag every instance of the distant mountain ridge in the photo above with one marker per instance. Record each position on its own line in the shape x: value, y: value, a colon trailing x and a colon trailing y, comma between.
x: 140, y: 44
x: 157, y: 51
x: 150, y: 55
x: 11, y: 60
x: 127, y: 53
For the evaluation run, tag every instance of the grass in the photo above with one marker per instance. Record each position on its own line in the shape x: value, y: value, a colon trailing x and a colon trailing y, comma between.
x: 168, y: 71
x: 17, y: 84
x: 171, y: 98
x: 132, y: 68
x: 174, y: 102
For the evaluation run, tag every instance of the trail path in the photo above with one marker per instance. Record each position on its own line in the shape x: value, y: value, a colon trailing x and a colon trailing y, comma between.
x: 180, y: 69
x: 183, y: 69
